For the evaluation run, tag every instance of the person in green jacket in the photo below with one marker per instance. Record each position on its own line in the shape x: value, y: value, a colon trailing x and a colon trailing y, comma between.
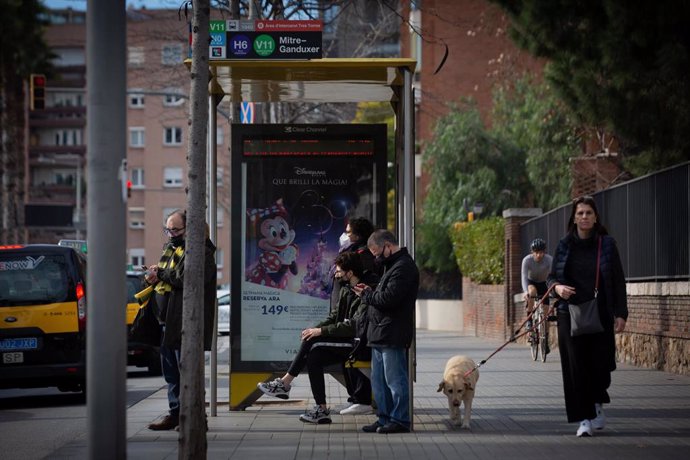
x: 329, y: 342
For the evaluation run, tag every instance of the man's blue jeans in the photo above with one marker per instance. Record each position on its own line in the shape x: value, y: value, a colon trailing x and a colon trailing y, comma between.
x: 171, y: 372
x: 389, y: 384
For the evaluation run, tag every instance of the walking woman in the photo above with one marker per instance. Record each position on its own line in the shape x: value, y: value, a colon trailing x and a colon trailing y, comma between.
x: 588, y: 360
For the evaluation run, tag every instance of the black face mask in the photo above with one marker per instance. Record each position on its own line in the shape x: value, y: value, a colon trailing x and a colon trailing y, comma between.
x: 176, y: 240
x: 380, y: 259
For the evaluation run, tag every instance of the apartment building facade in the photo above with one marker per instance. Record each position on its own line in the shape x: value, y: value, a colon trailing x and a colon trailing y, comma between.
x: 157, y: 137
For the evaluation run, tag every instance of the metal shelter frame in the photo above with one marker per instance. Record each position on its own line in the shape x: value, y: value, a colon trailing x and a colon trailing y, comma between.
x: 320, y: 81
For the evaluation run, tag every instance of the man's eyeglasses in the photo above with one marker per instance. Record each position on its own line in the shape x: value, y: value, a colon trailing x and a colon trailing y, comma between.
x: 172, y: 231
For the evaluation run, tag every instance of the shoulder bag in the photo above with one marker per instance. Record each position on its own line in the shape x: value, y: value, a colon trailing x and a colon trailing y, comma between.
x: 584, y: 317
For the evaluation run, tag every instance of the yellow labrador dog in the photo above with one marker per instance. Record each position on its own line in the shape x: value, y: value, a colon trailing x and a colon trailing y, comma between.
x: 458, y: 386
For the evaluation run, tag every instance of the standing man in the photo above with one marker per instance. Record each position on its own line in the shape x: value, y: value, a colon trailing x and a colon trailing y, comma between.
x: 168, y: 278
x: 390, y: 332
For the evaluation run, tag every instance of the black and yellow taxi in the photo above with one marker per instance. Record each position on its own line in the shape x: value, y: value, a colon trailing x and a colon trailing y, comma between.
x: 42, y: 317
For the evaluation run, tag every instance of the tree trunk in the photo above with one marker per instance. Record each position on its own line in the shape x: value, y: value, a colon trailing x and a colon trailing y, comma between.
x: 192, y: 438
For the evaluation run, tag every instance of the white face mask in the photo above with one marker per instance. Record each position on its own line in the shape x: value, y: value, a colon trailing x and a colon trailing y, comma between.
x: 344, y: 241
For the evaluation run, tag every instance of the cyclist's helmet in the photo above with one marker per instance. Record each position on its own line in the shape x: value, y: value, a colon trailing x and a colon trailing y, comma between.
x: 538, y: 245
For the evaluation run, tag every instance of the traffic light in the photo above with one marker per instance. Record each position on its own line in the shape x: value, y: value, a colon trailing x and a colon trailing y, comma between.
x: 129, y: 189
x: 37, y: 91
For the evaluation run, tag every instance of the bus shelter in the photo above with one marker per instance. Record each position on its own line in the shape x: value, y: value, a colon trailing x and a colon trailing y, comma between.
x: 314, y: 81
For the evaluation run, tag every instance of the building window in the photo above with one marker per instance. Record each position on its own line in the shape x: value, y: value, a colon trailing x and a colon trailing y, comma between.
x: 136, y: 137
x: 219, y: 176
x: 136, y: 257
x: 219, y: 136
x: 219, y: 259
x: 135, y: 56
x: 137, y: 218
x: 137, y: 177
x: 172, y: 136
x: 136, y: 101
x: 219, y: 217
x: 68, y: 137
x: 171, y: 54
x: 173, y: 97
x: 172, y: 177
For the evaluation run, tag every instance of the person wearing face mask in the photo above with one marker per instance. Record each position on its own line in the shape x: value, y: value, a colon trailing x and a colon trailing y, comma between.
x: 167, y: 277
x: 354, y: 239
x: 390, y: 332
x: 329, y: 342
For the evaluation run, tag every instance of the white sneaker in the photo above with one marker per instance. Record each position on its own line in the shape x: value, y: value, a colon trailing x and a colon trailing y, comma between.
x: 599, y: 422
x: 585, y: 429
x: 357, y: 409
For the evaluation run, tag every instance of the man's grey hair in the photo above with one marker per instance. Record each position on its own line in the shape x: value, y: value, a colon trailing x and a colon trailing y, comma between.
x: 381, y: 237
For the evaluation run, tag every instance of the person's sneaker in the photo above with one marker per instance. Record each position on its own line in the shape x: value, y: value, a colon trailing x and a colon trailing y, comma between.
x: 585, y: 429
x: 316, y: 415
x: 372, y: 428
x: 275, y: 388
x: 357, y: 409
x: 599, y: 423
x: 169, y: 422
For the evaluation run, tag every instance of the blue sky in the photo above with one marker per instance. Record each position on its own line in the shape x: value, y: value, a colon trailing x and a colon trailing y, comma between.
x: 81, y: 4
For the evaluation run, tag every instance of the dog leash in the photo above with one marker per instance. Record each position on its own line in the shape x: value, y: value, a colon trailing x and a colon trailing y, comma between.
x: 514, y: 337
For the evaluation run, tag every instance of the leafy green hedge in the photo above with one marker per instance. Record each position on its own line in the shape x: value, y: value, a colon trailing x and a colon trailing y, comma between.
x: 479, y: 249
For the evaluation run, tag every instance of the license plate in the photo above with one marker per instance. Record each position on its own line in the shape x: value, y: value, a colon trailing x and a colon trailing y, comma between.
x: 24, y: 343
x: 13, y: 358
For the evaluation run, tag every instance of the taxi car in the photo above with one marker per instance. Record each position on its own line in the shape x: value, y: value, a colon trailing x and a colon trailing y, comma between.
x: 42, y: 317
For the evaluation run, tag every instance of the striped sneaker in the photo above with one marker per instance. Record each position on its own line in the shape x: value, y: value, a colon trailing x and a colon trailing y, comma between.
x: 275, y: 388
x: 317, y: 415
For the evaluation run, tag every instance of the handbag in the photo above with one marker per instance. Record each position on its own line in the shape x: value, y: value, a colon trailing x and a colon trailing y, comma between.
x: 145, y: 327
x: 584, y: 317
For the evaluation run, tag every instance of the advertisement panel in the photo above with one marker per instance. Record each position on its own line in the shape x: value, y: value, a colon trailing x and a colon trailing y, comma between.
x: 296, y: 187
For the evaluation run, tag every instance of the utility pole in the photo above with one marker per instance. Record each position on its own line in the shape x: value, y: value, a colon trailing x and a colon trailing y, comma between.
x: 106, y: 343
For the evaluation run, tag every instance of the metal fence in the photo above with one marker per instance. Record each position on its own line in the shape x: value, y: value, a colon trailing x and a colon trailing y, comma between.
x: 648, y: 217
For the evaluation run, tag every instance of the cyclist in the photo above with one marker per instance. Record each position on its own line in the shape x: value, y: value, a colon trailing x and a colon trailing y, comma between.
x: 535, y: 268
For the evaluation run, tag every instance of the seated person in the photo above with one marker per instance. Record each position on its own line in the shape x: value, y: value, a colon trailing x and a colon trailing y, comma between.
x: 330, y: 342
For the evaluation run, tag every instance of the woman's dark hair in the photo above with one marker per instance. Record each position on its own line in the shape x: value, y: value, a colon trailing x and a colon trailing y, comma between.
x: 350, y: 261
x: 362, y: 228
x: 589, y: 201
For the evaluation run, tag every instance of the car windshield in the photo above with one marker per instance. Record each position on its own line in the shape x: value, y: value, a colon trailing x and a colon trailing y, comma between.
x: 34, y: 279
x: 133, y: 286
x: 224, y: 300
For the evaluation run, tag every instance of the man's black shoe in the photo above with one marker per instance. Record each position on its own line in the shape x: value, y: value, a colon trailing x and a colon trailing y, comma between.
x: 169, y: 422
x: 372, y: 428
x: 392, y: 427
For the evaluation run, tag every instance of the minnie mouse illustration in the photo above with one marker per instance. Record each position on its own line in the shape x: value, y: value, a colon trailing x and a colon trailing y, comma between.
x: 279, y: 253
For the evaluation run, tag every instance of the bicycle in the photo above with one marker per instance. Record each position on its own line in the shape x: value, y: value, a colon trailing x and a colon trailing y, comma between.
x: 538, y: 337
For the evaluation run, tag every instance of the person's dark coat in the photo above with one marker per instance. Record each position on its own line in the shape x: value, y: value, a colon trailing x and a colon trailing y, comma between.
x: 349, y: 306
x: 391, y: 305
x: 172, y: 336
x: 612, y: 279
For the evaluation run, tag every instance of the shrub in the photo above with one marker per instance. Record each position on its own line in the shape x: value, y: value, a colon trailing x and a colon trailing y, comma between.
x: 479, y: 249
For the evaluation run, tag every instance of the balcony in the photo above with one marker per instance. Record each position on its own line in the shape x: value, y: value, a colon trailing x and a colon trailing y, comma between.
x: 36, y: 151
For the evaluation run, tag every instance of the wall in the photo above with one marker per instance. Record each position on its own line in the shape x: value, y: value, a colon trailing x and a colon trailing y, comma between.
x: 484, y: 312
x: 440, y: 315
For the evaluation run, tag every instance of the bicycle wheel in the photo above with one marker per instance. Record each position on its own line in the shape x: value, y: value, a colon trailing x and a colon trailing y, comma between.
x: 543, y: 342
x: 534, y: 346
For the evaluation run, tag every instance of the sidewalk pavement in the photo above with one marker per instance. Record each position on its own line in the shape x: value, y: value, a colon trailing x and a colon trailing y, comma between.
x: 518, y: 412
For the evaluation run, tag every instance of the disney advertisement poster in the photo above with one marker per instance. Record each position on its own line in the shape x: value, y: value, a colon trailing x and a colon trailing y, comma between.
x: 297, y: 197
